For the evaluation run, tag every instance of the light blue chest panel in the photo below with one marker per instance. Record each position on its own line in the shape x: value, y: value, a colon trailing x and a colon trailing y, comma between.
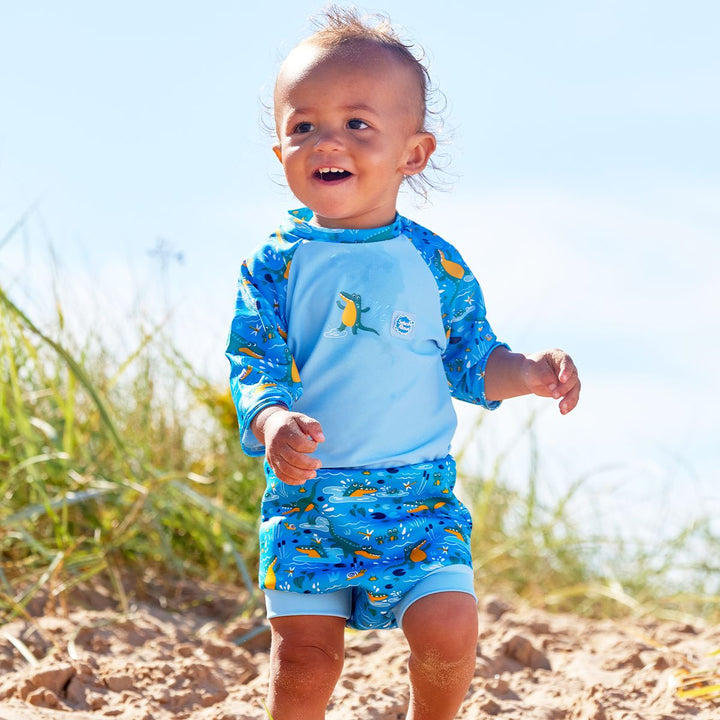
x: 366, y: 332
x: 369, y: 331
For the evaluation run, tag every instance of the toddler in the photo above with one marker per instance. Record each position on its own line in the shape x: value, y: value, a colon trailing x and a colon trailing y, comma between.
x: 353, y: 328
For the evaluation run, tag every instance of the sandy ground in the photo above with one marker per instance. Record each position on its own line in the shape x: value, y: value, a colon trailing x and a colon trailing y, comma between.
x: 156, y: 664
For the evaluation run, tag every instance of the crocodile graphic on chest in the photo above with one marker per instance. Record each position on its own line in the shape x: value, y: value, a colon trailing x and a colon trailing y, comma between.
x: 352, y: 310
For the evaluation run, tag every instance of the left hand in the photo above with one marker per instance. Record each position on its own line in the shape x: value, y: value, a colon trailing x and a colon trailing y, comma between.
x: 552, y: 373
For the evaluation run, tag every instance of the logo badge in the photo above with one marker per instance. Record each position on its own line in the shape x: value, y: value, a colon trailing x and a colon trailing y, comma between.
x: 402, y: 325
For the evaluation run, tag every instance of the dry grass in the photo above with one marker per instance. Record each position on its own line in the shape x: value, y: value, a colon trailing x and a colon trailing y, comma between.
x: 111, y: 464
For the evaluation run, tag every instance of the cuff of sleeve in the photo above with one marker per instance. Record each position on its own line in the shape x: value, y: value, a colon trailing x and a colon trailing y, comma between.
x: 250, y: 444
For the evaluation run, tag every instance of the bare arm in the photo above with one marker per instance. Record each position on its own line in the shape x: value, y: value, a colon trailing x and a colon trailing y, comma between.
x: 551, y: 373
x: 289, y: 438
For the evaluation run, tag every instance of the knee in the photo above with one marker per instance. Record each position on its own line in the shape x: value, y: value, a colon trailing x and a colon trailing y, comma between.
x: 444, y: 655
x: 449, y: 638
x: 460, y: 633
x: 302, y: 663
x: 451, y: 641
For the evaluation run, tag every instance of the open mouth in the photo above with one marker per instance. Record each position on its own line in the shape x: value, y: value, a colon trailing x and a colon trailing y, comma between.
x: 331, y: 174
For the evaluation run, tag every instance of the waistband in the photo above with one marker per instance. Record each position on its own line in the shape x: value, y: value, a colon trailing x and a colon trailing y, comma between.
x: 406, y: 483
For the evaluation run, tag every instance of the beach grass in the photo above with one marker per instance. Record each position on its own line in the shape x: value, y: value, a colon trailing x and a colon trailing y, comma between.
x: 115, y: 467
x: 534, y: 549
x: 112, y: 466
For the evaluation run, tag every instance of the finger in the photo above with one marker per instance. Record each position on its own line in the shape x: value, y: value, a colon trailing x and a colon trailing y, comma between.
x: 570, y: 401
x: 539, y: 375
x: 299, y: 442
x: 310, y: 427
x: 567, y: 370
x: 300, y: 460
x: 565, y: 373
x: 305, y: 434
x: 288, y: 473
x: 564, y: 388
x: 548, y: 379
x: 291, y: 481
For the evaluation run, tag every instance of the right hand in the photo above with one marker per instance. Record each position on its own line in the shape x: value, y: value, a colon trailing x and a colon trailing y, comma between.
x: 289, y: 439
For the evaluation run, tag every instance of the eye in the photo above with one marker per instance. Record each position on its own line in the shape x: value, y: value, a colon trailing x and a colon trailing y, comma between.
x: 357, y: 124
x: 303, y: 127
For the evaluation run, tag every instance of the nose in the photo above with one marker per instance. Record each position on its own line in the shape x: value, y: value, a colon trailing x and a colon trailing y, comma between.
x: 328, y: 139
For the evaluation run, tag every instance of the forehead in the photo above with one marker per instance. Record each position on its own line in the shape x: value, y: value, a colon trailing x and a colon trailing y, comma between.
x: 357, y: 66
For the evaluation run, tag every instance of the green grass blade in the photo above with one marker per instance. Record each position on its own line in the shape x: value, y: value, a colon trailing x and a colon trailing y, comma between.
x: 78, y: 371
x: 66, y: 499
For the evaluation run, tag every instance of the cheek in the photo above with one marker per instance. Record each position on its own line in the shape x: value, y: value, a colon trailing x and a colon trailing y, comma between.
x: 380, y: 153
x: 292, y: 160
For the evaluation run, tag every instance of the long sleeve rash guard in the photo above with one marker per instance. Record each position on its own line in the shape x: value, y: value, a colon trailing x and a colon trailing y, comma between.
x: 370, y: 332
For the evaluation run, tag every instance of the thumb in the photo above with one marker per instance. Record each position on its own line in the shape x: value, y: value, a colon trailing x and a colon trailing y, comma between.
x: 311, y: 427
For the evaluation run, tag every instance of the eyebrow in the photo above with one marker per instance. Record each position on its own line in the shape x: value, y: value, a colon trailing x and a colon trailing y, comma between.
x: 360, y: 107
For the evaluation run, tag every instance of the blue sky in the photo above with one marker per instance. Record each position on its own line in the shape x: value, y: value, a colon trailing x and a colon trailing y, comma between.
x: 583, y: 143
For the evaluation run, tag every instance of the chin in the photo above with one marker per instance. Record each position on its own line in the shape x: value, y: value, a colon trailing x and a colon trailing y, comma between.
x: 331, y: 214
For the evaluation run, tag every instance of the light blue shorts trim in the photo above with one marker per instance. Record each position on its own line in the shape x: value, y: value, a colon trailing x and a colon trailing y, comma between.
x: 452, y: 578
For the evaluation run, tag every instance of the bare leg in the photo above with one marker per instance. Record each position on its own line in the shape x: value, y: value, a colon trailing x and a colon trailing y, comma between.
x: 442, y: 631
x: 306, y: 658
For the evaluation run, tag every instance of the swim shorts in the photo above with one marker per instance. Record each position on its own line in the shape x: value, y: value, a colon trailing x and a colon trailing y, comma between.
x: 377, y: 531
x: 343, y: 603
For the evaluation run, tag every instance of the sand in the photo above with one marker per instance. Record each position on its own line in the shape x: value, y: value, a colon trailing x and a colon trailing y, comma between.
x: 155, y: 663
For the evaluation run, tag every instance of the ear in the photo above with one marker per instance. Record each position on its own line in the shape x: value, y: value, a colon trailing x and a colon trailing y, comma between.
x: 278, y: 152
x: 420, y: 147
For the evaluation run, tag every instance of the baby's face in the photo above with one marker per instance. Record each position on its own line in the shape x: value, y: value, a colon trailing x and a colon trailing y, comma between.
x: 349, y: 129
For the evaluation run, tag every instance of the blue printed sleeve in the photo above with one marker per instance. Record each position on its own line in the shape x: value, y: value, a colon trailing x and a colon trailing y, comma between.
x: 470, y: 339
x: 262, y: 369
